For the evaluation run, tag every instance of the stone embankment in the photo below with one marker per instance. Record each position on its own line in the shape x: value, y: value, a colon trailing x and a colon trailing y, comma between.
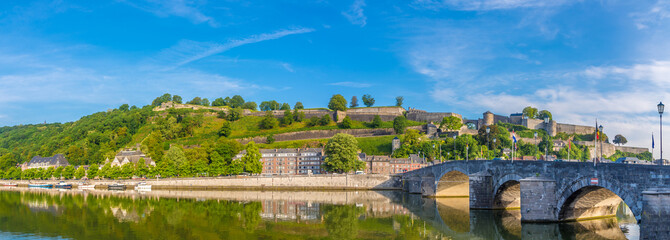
x: 314, y: 182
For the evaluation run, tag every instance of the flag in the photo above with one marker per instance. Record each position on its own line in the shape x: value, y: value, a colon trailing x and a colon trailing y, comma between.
x: 514, y: 137
x: 569, y: 147
x: 652, y: 140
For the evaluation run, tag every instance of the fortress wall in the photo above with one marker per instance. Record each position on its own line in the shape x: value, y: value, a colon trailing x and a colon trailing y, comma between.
x: 367, y: 114
x: 608, y: 149
x: 319, y: 134
x: 308, y: 113
x: 636, y: 150
x: 168, y: 105
x: 435, y: 117
x: 533, y: 123
x: 574, y: 129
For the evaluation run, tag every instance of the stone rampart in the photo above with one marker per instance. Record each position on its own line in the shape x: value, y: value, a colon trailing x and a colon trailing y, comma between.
x: 308, y: 113
x: 318, y: 134
x: 315, y: 182
x: 575, y: 129
x: 367, y: 114
x: 609, y: 149
x: 436, y: 117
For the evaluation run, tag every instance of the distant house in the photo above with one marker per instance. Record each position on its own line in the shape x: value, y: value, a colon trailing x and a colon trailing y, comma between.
x: 130, y: 156
x: 57, y: 160
x: 290, y: 161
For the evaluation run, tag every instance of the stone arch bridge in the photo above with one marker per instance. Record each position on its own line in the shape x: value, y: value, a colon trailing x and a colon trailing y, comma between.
x: 550, y: 191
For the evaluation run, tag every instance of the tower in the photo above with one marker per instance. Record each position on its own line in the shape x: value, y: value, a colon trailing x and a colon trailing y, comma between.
x: 395, y: 144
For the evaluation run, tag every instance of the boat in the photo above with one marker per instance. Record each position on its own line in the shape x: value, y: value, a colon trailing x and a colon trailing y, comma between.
x: 10, y: 185
x: 40, y: 185
x: 63, y: 185
x: 116, y: 186
x: 143, y: 186
x: 86, y: 186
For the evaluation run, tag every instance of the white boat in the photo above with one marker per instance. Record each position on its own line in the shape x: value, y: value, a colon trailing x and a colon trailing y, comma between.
x: 143, y: 187
x: 86, y: 186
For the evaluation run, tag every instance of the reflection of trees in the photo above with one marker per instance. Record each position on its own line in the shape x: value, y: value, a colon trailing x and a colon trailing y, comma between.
x: 252, y: 216
x: 342, y: 221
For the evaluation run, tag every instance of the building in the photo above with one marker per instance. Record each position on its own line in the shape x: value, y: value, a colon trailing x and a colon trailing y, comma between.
x: 130, y: 156
x: 56, y: 161
x: 388, y: 165
x: 290, y: 161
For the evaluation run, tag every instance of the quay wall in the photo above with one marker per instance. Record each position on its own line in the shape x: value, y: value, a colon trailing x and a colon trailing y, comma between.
x: 314, y: 182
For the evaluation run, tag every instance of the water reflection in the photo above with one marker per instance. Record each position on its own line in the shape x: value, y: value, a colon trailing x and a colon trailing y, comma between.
x: 99, y: 214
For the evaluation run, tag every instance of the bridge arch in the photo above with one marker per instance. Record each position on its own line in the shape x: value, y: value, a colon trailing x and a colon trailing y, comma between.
x: 583, y: 200
x: 507, y: 193
x: 453, y: 183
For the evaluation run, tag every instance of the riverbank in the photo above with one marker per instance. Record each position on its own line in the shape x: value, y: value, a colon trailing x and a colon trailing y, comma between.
x: 314, y: 182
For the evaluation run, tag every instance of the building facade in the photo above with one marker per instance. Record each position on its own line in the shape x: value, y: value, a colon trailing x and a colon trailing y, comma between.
x: 56, y: 161
x: 387, y: 165
x: 130, y: 156
x: 290, y: 161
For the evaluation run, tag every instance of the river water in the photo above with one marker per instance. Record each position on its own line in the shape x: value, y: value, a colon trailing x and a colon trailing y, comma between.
x: 162, y: 214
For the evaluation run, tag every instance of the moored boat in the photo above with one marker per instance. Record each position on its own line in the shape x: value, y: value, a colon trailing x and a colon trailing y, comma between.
x: 143, y: 186
x: 40, y: 185
x: 116, y: 186
x: 10, y: 185
x: 63, y: 185
x: 86, y: 186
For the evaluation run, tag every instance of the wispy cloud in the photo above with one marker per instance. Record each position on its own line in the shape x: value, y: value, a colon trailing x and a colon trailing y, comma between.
x: 355, y: 13
x: 485, y: 5
x: 654, y: 16
x: 351, y: 84
x: 179, y: 8
x: 187, y: 51
x: 287, y: 67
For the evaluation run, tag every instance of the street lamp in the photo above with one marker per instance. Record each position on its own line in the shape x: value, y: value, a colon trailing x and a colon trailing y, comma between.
x: 454, y: 146
x: 494, y: 143
x: 546, y: 148
x: 535, y: 137
x: 601, y: 141
x: 487, y: 141
x: 660, y: 114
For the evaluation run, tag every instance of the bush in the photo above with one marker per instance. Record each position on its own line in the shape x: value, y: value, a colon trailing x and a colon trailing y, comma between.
x: 313, y: 121
x: 325, y: 120
x: 376, y: 122
x: 270, y: 139
x: 346, y: 123
x: 268, y: 122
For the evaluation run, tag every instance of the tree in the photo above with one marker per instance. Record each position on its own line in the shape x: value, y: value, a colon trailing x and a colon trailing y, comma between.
x: 269, y: 105
x: 270, y: 139
x: 205, y: 102
x: 399, y: 100
x: 124, y: 107
x: 250, y: 106
x: 127, y: 170
x: 80, y: 173
x: 234, y: 114
x: 236, y: 101
x: 342, y: 154
x: 176, y: 99
x: 545, y: 113
x: 399, y: 124
x: 325, y: 120
x: 164, y: 98
x: 354, y: 102
x: 92, y: 171
x: 451, y: 123
x: 346, y: 123
x: 287, y: 119
x: 285, y: 106
x: 530, y: 112
x: 368, y: 100
x: 218, y: 165
x: 58, y: 173
x: 195, y: 101
x: 68, y: 172
x: 298, y: 105
x: 313, y: 121
x: 298, y: 116
x: 236, y: 167
x: 104, y: 171
x: 218, y: 102
x: 225, y: 130
x: 176, y: 157
x: 252, y: 159
x: 376, y: 122
x: 337, y: 103
x: 620, y: 139
x: 48, y: 174
x: 268, y: 122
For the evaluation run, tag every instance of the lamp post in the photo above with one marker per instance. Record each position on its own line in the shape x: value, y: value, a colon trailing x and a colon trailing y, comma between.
x: 601, y: 142
x: 489, y: 143
x: 494, y: 143
x: 660, y: 114
x: 454, y: 147
x: 546, y: 148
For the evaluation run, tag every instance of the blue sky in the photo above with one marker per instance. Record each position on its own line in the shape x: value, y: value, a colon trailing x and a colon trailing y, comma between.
x: 581, y: 60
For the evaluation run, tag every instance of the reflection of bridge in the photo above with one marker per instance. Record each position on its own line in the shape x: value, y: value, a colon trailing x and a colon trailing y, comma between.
x: 552, y: 191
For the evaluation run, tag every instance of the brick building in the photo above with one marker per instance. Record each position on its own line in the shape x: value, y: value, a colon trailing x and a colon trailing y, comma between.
x: 388, y: 165
x: 290, y: 161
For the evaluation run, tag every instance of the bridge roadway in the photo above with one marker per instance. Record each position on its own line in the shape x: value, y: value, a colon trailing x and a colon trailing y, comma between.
x: 553, y: 191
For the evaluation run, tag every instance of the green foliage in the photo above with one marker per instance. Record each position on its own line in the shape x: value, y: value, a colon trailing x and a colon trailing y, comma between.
x: 368, y: 100
x: 346, y: 123
x: 376, y: 122
x: 270, y: 139
x: 234, y: 114
x: 104, y: 172
x: 58, y: 172
x: 68, y: 172
x: 205, y: 102
x: 124, y: 107
x: 92, y: 171
x: 298, y: 116
x: 218, y: 165
x: 499, y: 133
x: 544, y: 113
x: 399, y: 124
x: 285, y: 106
x: 49, y: 172
x: 620, y: 139
x: 218, y: 102
x: 410, y: 144
x: 176, y: 99
x: 354, y: 102
x: 313, y: 121
x: 646, y: 156
x: 287, y: 119
x: 196, y: 101
x: 298, y: 105
x: 269, y: 105
x: 342, y: 221
x: 342, y: 154
x: 252, y: 159
x: 399, y: 100
x: 451, y: 123
x: 337, y: 103
x: 221, y: 114
x: 325, y: 120
x: 225, y: 130
x: 250, y: 105
x: 530, y: 112
x: 268, y: 122
x: 80, y: 173
x: 127, y: 170
x: 175, y: 159
x: 164, y: 98
x: 236, y: 102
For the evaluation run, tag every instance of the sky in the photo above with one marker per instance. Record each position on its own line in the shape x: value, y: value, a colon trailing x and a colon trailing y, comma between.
x: 581, y: 60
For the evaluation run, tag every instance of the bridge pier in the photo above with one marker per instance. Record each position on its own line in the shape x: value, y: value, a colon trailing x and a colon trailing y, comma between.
x: 428, y: 187
x: 481, y: 191
x: 655, y: 222
x: 538, y: 200
x: 414, y: 185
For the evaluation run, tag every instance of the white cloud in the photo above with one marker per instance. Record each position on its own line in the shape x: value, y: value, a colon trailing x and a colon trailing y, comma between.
x: 180, y: 8
x: 355, y: 13
x: 486, y: 5
x: 655, y: 72
x: 656, y: 14
x: 351, y: 84
x: 187, y: 51
x: 287, y: 67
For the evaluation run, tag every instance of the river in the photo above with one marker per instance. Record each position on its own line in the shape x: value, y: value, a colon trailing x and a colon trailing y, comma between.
x: 162, y: 214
